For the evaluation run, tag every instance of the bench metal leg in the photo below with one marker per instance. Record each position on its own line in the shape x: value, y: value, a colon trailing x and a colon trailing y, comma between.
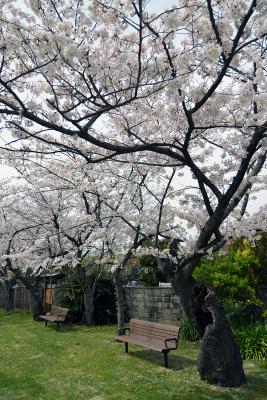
x: 126, y: 347
x: 165, y: 353
x: 46, y: 322
x: 57, y: 326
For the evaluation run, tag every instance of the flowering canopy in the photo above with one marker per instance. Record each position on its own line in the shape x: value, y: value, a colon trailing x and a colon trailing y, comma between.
x: 58, y: 216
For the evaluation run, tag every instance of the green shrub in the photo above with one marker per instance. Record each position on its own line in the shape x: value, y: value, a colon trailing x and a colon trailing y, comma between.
x: 236, y: 278
x: 241, y: 314
x: 105, y: 302
x: 252, y: 340
x: 188, y: 331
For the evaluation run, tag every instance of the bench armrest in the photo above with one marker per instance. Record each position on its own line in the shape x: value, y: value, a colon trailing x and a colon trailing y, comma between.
x: 122, y: 331
x: 171, y: 340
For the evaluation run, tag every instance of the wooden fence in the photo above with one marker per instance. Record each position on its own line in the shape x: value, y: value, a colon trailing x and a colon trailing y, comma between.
x: 20, y: 297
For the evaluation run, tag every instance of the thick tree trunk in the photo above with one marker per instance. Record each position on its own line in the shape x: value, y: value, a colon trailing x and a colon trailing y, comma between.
x: 88, y: 289
x: 119, y: 298
x: 219, y: 360
x: 89, y: 308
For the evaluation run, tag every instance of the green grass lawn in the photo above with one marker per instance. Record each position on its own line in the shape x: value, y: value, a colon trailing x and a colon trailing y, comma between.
x: 79, y: 362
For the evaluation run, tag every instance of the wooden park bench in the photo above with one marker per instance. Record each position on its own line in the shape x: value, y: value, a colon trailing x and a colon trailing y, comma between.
x: 154, y: 336
x: 57, y: 315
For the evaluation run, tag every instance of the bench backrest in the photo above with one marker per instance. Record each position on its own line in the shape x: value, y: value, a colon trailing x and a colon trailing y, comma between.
x: 153, y: 330
x: 59, y: 311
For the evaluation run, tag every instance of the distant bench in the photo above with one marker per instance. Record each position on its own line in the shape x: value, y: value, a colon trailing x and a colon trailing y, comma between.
x: 57, y: 315
x: 154, y: 336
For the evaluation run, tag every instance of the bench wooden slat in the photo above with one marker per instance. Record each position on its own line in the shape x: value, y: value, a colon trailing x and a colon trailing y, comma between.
x: 152, y: 332
x: 157, y: 331
x: 158, y: 326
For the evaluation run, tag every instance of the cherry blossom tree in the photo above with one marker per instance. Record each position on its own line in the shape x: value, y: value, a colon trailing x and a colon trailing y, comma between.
x: 144, y: 208
x: 87, y: 213
x: 69, y: 224
x: 184, y: 89
x: 23, y: 242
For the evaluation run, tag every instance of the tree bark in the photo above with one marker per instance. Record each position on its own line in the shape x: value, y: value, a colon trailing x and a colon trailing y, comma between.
x: 119, y: 298
x: 36, y: 302
x: 88, y: 289
x: 219, y: 360
x: 88, y: 296
x: 9, y: 304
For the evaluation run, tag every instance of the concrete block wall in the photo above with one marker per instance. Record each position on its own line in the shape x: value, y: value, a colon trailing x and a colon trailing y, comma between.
x: 156, y: 304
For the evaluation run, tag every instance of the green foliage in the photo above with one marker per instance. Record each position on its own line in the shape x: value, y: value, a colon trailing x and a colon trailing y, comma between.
x: 147, y: 265
x: 105, y: 302
x: 162, y: 244
x: 144, y: 269
x: 252, y: 341
x: 188, y: 331
x: 235, y: 276
x: 261, y: 251
x: 148, y: 269
x: 89, y: 260
x: 241, y: 314
x: 71, y: 296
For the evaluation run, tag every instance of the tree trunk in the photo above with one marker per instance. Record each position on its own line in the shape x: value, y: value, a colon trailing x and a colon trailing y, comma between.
x: 9, y: 304
x: 119, y: 298
x: 219, y: 359
x: 36, y: 302
x: 89, y: 308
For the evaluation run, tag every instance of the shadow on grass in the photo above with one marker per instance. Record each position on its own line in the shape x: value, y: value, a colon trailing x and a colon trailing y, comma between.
x: 23, y: 384
x: 257, y: 383
x: 176, y: 362
x: 66, y: 327
x: 254, y: 388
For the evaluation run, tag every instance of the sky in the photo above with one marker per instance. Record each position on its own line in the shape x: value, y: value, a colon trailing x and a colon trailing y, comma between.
x: 157, y: 6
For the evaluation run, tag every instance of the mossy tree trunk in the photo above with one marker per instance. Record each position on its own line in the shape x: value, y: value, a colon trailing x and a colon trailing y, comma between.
x: 219, y: 360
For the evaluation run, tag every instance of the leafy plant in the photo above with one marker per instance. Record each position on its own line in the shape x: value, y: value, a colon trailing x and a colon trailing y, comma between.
x: 252, y: 341
x: 235, y: 277
x: 261, y: 251
x: 148, y: 270
x: 188, y: 331
x: 105, y: 302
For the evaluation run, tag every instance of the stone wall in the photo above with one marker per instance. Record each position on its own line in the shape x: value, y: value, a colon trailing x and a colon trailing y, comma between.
x: 153, y: 303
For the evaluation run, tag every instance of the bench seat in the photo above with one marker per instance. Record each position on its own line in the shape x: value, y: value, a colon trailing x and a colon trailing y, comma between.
x: 57, y: 315
x: 156, y: 345
x: 154, y: 336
